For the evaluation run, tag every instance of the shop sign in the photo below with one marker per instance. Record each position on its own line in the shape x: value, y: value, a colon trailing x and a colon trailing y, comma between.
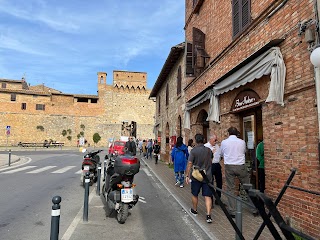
x: 244, y: 100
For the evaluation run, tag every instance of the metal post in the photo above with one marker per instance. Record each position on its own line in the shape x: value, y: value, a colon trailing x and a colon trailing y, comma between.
x: 9, y: 157
x: 104, y: 169
x: 55, y: 218
x: 239, y: 216
x: 99, y: 179
x: 86, y: 196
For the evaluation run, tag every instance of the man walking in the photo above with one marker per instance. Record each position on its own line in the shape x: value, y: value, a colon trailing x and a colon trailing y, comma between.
x: 233, y: 150
x: 200, y: 156
x: 216, y: 167
x: 131, y: 146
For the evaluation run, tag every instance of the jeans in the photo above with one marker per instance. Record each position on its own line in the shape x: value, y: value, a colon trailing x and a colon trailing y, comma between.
x: 179, y: 177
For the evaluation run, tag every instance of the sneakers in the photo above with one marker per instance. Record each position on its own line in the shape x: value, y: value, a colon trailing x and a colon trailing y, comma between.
x: 209, y: 219
x: 181, y: 186
x: 194, y: 212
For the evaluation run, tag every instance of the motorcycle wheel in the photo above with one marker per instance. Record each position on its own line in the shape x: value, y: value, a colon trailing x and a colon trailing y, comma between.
x: 123, y: 213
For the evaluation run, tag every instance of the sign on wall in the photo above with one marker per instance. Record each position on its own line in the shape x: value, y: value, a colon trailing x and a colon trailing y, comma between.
x: 244, y: 100
x: 8, y: 130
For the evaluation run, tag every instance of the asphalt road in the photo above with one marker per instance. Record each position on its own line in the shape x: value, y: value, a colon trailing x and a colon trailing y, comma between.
x: 26, y: 201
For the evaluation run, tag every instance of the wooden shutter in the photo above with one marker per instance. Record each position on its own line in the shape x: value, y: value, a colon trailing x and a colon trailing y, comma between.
x: 179, y: 81
x: 189, y: 62
x: 235, y: 17
x: 241, y: 16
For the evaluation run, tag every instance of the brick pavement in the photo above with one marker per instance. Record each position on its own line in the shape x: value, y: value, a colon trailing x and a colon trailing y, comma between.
x: 220, y: 228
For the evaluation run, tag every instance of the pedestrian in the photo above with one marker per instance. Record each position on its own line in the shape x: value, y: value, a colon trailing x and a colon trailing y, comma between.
x: 261, y: 172
x: 149, y: 149
x: 131, y: 147
x: 179, y: 156
x: 190, y: 145
x: 156, y: 151
x: 200, y: 156
x: 144, y: 147
x: 233, y: 150
x: 216, y: 167
x: 140, y: 146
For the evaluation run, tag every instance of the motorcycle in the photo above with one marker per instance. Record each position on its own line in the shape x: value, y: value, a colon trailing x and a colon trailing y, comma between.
x: 118, y: 191
x: 90, y: 164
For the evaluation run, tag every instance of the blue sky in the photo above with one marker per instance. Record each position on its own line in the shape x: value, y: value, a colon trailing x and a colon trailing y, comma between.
x: 64, y: 43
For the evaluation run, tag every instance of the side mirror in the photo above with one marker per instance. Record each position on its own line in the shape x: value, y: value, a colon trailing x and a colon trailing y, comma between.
x: 84, y: 150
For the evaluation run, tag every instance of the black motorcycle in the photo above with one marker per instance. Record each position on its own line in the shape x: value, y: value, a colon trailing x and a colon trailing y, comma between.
x: 90, y: 164
x: 118, y: 190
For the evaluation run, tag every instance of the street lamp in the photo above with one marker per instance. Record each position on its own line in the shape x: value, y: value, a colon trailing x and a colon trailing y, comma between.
x: 315, y: 57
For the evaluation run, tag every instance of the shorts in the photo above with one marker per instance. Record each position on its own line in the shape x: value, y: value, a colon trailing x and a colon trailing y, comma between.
x: 196, y: 186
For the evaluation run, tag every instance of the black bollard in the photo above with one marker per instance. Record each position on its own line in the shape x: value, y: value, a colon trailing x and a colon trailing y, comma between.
x: 9, y: 157
x: 55, y: 218
x: 86, y: 196
x: 104, y: 169
x: 99, y: 178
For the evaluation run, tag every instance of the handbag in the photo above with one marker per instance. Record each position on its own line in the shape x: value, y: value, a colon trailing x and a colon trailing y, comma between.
x: 196, y: 173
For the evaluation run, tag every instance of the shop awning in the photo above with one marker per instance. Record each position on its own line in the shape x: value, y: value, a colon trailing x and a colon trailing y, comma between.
x: 270, y: 62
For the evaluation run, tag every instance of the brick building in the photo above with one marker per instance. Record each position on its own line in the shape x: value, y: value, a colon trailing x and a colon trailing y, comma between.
x: 36, y: 113
x: 246, y: 64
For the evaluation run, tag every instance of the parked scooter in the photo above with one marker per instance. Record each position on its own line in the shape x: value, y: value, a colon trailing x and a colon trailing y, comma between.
x: 118, y: 190
x: 90, y: 164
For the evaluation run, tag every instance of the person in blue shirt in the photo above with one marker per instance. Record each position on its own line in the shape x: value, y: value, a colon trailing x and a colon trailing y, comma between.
x: 179, y: 156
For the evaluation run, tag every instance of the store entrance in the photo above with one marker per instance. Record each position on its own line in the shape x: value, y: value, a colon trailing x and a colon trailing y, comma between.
x: 252, y: 134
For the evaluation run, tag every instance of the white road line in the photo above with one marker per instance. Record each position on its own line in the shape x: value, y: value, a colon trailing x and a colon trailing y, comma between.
x: 63, y: 170
x: 147, y: 172
x: 16, y: 164
x: 67, y: 235
x: 19, y: 169
x: 79, y: 172
x: 42, y: 169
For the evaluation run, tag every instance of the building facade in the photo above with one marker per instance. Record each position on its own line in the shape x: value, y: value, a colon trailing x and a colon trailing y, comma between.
x: 38, y: 113
x: 246, y: 64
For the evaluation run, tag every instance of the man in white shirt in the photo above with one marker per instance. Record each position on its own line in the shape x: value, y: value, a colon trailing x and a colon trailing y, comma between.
x: 216, y: 167
x: 233, y: 150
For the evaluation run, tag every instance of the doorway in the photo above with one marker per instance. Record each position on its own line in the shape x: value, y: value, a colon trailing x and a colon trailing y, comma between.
x: 252, y: 134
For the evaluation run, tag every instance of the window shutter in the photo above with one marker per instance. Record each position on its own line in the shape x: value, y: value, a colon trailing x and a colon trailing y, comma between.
x: 167, y: 95
x: 179, y: 81
x: 245, y: 16
x: 189, y: 65
x: 235, y: 17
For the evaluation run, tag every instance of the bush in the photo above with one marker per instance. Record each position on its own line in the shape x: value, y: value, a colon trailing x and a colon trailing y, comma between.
x: 41, y: 128
x: 96, y: 138
x: 64, y: 133
x: 69, y: 138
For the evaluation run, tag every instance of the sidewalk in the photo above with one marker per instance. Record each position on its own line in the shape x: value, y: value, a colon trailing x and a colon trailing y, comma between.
x: 220, y: 228
x: 4, y: 159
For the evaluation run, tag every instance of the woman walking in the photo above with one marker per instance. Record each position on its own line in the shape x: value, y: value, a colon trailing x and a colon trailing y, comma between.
x: 179, y: 156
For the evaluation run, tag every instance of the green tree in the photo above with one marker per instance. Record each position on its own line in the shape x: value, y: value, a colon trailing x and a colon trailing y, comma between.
x: 64, y: 133
x: 96, y: 138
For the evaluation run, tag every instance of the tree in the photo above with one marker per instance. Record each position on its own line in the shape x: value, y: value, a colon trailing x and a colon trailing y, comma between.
x: 96, y: 138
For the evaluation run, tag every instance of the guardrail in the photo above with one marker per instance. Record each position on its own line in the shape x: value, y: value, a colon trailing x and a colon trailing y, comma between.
x: 43, y: 145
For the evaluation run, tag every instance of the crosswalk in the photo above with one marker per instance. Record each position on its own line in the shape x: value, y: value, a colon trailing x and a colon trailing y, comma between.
x: 37, y: 169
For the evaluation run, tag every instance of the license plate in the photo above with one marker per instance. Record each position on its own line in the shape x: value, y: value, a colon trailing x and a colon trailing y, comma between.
x: 86, y: 168
x: 126, y: 195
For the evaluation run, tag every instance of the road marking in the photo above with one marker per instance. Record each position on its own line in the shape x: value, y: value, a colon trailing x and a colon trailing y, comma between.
x: 141, y: 199
x: 67, y: 235
x: 79, y: 172
x: 16, y: 164
x: 63, y: 170
x: 147, y: 172
x: 42, y: 169
x: 20, y: 169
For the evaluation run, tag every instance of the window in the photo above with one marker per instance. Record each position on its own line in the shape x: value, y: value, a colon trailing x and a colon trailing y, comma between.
x: 40, y: 107
x: 241, y: 16
x: 189, y: 62
x: 159, y: 105
x: 23, y: 106
x: 179, y: 81
x: 200, y: 57
x: 167, y: 95
x: 3, y: 85
x: 13, y: 97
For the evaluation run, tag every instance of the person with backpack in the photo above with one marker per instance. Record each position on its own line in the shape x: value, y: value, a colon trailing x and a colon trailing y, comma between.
x: 156, y: 150
x: 179, y: 156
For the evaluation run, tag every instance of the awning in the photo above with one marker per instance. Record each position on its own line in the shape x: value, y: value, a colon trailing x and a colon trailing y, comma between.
x: 270, y: 62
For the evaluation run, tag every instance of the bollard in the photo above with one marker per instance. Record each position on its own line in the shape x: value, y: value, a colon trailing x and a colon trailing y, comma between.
x: 86, y: 196
x: 55, y: 218
x: 9, y: 157
x: 239, y: 217
x: 99, y: 177
x: 104, y: 169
